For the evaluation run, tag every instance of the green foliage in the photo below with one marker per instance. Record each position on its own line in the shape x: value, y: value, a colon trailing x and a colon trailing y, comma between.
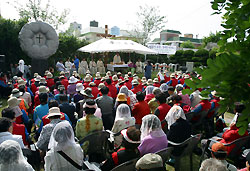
x: 149, y: 22
x: 213, y: 38
x: 34, y: 10
x: 187, y: 44
x: 229, y: 72
x: 9, y: 43
x: 213, y: 52
x: 188, y: 54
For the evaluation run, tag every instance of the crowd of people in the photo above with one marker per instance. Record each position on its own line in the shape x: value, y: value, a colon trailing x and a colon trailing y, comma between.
x: 143, y: 114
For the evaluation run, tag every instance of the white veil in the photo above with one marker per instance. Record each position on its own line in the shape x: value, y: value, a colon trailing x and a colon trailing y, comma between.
x: 149, y: 90
x: 151, y: 125
x: 123, y: 111
x: 174, y: 113
x: 124, y: 90
x: 164, y: 87
x: 11, y: 157
x: 21, y: 66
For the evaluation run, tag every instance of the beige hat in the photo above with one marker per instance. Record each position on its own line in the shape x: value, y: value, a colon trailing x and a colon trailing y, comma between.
x: 46, y: 72
x: 149, y: 161
x: 79, y: 87
x: 129, y: 73
x: 119, y: 81
x: 98, y: 76
x: 16, y: 93
x: 119, y: 73
x: 87, y: 92
x: 43, y: 89
x: 126, y: 78
x: 61, y: 76
x: 144, y: 82
x: 109, y: 73
x: 92, y: 84
x: 38, y: 78
x: 87, y: 78
x: 172, y: 75
x: 155, y: 80
x: 49, y: 75
x: 100, y: 86
x: 35, y: 74
x: 74, y: 73
x: 54, y: 111
x: 114, y: 78
x: 121, y: 97
x: 186, y: 76
x: 21, y: 83
x: 135, y: 82
x: 72, y: 79
x: 13, y: 102
x: 87, y: 72
x: 43, y: 80
x: 62, y: 73
x: 143, y: 79
x: 150, y: 82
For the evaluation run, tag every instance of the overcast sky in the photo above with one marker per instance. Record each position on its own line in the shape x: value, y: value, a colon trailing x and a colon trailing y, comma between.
x: 186, y: 16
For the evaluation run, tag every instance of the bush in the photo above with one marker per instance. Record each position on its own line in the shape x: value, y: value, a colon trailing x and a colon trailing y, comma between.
x: 202, y: 53
x: 188, y: 54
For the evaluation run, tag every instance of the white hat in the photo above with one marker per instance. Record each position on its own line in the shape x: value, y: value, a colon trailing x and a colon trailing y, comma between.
x: 16, y: 93
x: 54, y: 111
x: 21, y: 82
x: 135, y: 82
x: 149, y: 161
x: 150, y: 82
x: 114, y: 78
x: 155, y: 80
x: 74, y: 73
x: 87, y: 78
x: 92, y: 84
x: 126, y: 78
x: 87, y: 92
x: 46, y: 72
x: 13, y: 102
x: 108, y: 73
x: 144, y: 79
x: 49, y: 75
x: 87, y: 72
x: 38, y: 78
x: 72, y: 79
x: 98, y: 76
x: 186, y: 76
x: 172, y: 75
x: 43, y: 89
x: 35, y: 74
x: 79, y: 87
x: 43, y: 80
x: 62, y: 73
x: 100, y: 86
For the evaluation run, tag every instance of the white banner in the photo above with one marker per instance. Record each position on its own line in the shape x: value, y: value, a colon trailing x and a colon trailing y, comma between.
x: 163, y: 49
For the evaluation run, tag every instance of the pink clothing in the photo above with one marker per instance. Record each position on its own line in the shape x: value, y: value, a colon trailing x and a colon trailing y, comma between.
x: 185, y: 98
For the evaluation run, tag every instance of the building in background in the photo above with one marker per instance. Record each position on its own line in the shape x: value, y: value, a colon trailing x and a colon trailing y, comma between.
x: 75, y: 29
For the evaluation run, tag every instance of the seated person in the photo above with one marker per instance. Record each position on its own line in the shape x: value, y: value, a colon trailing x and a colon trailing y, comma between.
x: 89, y: 123
x: 163, y: 108
x: 150, y: 162
x: 131, y: 140
x: 153, y: 138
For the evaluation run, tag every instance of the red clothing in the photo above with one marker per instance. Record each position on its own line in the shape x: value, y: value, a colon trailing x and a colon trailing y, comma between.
x: 65, y: 82
x: 36, y: 101
x: 121, y: 78
x: 230, y: 135
x: 33, y: 88
x: 140, y: 110
x: 97, y: 82
x: 47, y: 121
x: 206, y: 105
x: 128, y: 85
x: 95, y: 92
x: 148, y: 97
x: 136, y: 89
x: 182, y: 81
x: 163, y: 111
x: 112, y: 90
x: 114, y: 82
x: 130, y: 79
x: 167, y: 79
x: 156, y: 84
x: 86, y: 84
x: 174, y: 82
x: 50, y: 82
x: 19, y: 129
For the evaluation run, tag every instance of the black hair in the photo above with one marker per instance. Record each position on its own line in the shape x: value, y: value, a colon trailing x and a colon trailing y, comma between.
x: 220, y: 154
x: 19, y: 74
x: 171, y: 88
x: 57, y: 79
x: 89, y: 110
x: 140, y: 96
x: 105, y: 90
x: 22, y: 88
x: 53, y: 103
x: 239, y: 107
x: 43, y: 97
x: 8, y: 113
x: 63, y: 98
x: 162, y: 81
x: 133, y: 134
x: 108, y: 81
x: 5, y: 124
x: 176, y: 97
x: 161, y: 98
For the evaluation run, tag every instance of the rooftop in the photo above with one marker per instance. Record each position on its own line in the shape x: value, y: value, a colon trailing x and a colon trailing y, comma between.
x: 171, y: 31
x: 185, y: 39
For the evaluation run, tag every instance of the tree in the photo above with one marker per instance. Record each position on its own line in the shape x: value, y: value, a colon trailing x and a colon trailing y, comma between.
x: 229, y: 72
x: 34, y: 11
x: 213, y: 38
x: 188, y: 44
x: 149, y: 22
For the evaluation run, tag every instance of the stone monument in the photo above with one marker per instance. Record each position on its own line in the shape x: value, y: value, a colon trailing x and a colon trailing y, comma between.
x: 39, y: 41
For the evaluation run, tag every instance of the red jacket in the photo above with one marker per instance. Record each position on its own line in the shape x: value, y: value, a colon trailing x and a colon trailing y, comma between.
x: 128, y: 85
x: 47, y: 121
x: 19, y: 129
x: 182, y: 80
x: 65, y: 82
x: 156, y: 84
x: 86, y: 85
x: 95, y: 92
x: 130, y: 79
x: 97, y: 82
x: 163, y: 111
x: 148, y: 97
x: 140, y: 110
x: 174, y: 82
x: 50, y: 82
x: 230, y: 135
x: 36, y: 101
x: 33, y: 88
x: 112, y: 90
x: 136, y: 89
x: 166, y: 78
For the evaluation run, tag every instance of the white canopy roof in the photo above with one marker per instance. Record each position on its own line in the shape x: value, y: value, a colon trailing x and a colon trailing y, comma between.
x: 109, y: 45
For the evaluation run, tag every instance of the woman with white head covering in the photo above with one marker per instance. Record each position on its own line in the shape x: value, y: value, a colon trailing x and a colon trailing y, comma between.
x: 131, y: 99
x: 149, y: 93
x: 21, y: 66
x: 153, y: 138
x: 123, y: 120
x: 178, y: 126
x: 11, y: 157
x: 62, y: 139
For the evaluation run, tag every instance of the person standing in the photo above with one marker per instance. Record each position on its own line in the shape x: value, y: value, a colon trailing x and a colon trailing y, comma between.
x: 68, y: 64
x: 100, y: 66
x: 76, y: 63
x: 148, y: 70
x: 59, y: 65
x: 139, y: 66
x: 117, y: 59
x: 92, y: 66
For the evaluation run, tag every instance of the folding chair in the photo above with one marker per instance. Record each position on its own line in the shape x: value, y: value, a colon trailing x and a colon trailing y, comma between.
x: 96, y: 145
x: 127, y: 166
x: 165, y: 153
x: 189, y: 146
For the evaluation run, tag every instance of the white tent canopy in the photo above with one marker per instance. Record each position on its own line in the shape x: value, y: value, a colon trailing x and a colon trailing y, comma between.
x: 110, y: 45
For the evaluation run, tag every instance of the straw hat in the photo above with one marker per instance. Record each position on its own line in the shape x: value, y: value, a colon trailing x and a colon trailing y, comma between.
x: 109, y: 73
x: 150, y: 82
x: 38, y: 78
x: 100, y: 86
x: 92, y: 84
x: 74, y: 73
x: 149, y: 161
x: 79, y: 87
x: 143, y: 79
x: 43, y: 80
x: 119, y: 73
x: 98, y: 76
x: 87, y: 78
x: 35, y: 74
x: 126, y: 78
x: 134, y: 75
x: 129, y: 73
x: 43, y: 89
x: 61, y: 76
x: 54, y: 111
x: 21, y: 83
x: 114, y: 78
x: 135, y: 82
x: 144, y: 82
x: 49, y: 75
x: 87, y: 92
x: 72, y: 79
x: 121, y: 97
x: 16, y: 93
x: 62, y: 73
x: 155, y: 80
x: 13, y: 102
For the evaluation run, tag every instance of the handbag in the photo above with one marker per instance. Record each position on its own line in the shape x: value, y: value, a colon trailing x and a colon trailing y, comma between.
x: 65, y: 156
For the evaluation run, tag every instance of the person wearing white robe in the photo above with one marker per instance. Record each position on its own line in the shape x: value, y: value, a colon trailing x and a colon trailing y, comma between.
x: 92, y: 66
x: 117, y: 59
x: 138, y: 66
x: 100, y: 66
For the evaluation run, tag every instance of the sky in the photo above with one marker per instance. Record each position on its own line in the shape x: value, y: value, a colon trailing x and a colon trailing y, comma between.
x: 186, y: 16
